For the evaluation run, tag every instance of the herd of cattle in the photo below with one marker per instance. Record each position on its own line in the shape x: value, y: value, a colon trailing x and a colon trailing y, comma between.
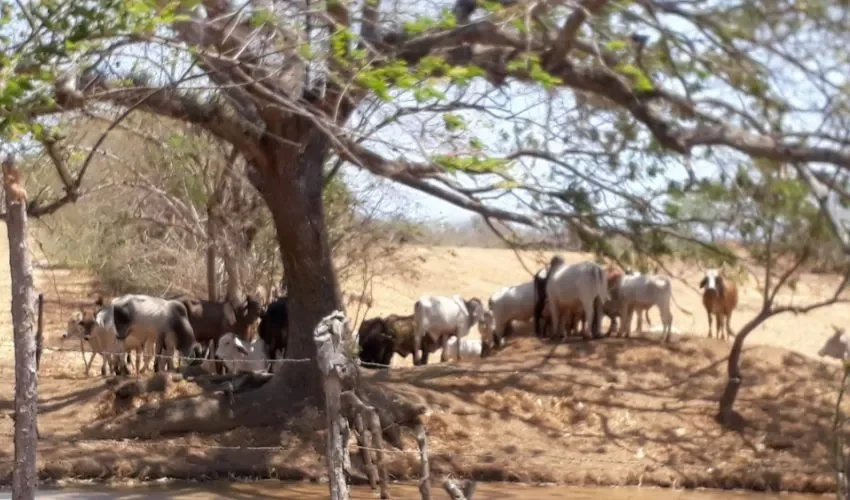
x: 221, y: 335
x: 559, y: 300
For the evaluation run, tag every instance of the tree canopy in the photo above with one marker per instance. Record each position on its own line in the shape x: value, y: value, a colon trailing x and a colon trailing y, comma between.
x: 600, y: 115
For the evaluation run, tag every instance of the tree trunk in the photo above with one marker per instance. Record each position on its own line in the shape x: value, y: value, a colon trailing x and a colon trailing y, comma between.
x: 734, y: 379
x: 212, y: 278
x: 24, y: 476
x: 293, y: 193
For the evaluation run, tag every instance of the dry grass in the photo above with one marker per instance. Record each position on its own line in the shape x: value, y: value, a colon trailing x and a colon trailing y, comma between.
x: 603, y: 412
x: 610, y: 412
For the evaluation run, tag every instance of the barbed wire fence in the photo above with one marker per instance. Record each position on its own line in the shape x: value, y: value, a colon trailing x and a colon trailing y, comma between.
x: 647, y: 463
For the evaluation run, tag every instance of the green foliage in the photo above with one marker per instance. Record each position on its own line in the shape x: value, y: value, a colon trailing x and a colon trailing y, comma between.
x: 453, y: 122
x: 640, y: 82
x: 470, y: 164
x: 530, y: 63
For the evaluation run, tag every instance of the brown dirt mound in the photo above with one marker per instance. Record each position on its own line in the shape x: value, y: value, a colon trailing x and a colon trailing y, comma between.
x: 609, y: 412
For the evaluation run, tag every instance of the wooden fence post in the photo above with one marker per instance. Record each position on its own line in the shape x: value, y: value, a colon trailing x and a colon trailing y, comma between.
x: 25, y: 473
x: 39, y: 333
x: 335, y: 366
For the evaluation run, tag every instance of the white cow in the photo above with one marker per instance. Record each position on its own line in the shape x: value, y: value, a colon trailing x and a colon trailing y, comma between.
x: 139, y: 340
x: 576, y: 285
x: 837, y: 346
x: 167, y: 321
x: 239, y: 355
x: 440, y: 318
x: 639, y: 293
x: 99, y: 332
x: 468, y: 347
x: 509, y: 304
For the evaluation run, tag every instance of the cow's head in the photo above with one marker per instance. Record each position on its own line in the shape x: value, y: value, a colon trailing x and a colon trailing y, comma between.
x: 475, y: 308
x: 486, y: 327
x: 555, y: 262
x: 250, y: 310
x: 80, y: 325
x: 713, y: 283
x: 613, y: 276
x: 837, y: 346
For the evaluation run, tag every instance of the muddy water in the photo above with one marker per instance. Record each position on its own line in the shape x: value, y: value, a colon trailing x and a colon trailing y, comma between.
x: 489, y: 491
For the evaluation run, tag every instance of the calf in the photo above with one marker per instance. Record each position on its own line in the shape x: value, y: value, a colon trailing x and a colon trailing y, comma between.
x: 468, y: 347
x: 238, y: 355
x: 440, y: 318
x: 84, y: 325
x: 380, y: 338
x: 719, y: 297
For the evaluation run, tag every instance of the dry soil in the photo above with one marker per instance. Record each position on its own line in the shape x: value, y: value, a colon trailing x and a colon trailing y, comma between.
x: 609, y: 412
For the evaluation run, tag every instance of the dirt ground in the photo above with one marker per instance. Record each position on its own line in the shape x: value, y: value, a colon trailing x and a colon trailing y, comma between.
x: 609, y: 412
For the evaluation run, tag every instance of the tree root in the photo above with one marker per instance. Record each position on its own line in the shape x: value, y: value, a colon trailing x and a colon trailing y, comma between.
x: 231, y: 402
x: 251, y: 400
x: 459, y: 493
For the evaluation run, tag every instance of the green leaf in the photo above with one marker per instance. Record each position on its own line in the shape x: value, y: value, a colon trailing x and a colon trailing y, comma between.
x: 261, y: 17
x: 615, y: 45
x: 453, y: 122
x: 640, y: 81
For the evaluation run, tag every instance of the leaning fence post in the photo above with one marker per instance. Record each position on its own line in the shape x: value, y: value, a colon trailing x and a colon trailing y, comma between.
x: 425, y: 470
x: 25, y: 471
x: 335, y: 366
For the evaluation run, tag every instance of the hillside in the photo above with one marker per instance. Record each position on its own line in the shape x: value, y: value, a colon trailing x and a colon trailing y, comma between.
x: 607, y: 412
x: 610, y: 412
x: 481, y: 272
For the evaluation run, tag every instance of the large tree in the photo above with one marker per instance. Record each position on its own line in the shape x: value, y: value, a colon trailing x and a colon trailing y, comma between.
x: 592, y: 105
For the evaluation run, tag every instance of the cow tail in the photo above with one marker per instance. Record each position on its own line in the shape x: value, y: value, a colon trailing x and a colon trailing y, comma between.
x: 599, y: 306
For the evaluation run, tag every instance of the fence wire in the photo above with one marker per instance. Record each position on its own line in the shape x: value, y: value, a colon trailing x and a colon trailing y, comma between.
x: 434, y: 451
x: 455, y: 452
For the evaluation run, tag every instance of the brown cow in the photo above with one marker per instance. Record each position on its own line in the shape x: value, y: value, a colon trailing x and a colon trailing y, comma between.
x: 720, y: 298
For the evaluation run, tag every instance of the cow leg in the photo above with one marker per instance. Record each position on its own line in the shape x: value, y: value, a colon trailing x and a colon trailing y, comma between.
x: 499, y: 333
x: 627, y: 321
x: 138, y: 364
x: 612, y: 326
x: 89, y: 362
x: 418, y: 353
x: 639, y: 322
x: 728, y: 324
x: 587, y: 320
x: 666, y: 321
x: 444, y: 355
x: 557, y: 318
x: 103, y: 365
x: 149, y: 349
x: 709, y: 324
x: 624, y: 319
x: 387, y: 356
x: 721, y: 326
